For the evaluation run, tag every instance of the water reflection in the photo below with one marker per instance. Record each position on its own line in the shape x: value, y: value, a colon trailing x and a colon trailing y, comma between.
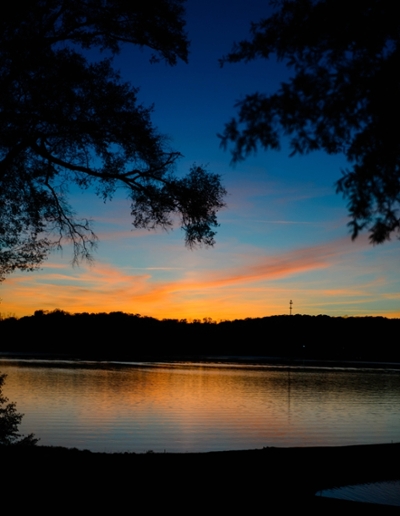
x: 385, y: 493
x: 201, y: 407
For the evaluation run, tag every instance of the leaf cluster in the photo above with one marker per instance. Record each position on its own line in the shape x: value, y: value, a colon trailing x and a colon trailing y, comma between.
x: 343, y: 97
x: 67, y: 120
x: 10, y: 420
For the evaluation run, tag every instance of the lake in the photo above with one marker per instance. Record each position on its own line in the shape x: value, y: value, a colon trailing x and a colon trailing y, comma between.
x: 187, y: 407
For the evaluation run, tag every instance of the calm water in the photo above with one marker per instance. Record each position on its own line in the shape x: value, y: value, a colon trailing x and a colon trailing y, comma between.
x: 201, y: 407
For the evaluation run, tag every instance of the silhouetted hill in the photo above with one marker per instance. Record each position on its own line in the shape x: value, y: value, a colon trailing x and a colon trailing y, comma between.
x: 119, y: 335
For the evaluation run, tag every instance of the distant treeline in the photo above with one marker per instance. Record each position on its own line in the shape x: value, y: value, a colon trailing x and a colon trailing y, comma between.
x: 131, y: 336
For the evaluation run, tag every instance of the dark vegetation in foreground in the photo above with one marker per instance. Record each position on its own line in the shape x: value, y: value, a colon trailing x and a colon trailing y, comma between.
x: 10, y: 420
x: 133, y: 337
x: 271, y: 479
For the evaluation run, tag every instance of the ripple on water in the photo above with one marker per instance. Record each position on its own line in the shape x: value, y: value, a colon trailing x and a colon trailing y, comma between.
x: 384, y: 493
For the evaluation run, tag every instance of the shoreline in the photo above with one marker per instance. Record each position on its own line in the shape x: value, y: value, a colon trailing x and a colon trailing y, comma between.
x: 285, y: 477
x: 223, y: 360
x: 244, y: 479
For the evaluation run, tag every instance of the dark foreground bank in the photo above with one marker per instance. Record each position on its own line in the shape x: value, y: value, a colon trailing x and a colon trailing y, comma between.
x: 273, y: 479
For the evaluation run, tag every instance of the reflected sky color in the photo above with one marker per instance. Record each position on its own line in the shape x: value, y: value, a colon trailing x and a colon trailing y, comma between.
x: 194, y: 407
x: 386, y: 493
x: 283, y: 234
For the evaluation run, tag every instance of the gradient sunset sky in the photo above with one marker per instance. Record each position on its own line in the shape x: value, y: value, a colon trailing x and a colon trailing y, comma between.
x: 283, y: 234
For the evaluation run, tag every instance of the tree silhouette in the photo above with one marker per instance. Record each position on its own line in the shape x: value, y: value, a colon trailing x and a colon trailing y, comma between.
x: 65, y: 120
x: 10, y: 420
x: 342, y: 98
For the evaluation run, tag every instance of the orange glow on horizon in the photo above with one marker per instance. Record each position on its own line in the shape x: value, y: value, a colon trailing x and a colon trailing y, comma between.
x: 236, y: 292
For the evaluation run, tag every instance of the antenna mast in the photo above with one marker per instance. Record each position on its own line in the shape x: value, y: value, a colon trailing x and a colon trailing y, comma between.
x: 290, y: 307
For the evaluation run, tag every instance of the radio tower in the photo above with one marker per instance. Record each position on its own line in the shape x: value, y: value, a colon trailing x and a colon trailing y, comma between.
x: 290, y: 307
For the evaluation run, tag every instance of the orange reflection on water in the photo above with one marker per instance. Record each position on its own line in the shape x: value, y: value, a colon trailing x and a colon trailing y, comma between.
x: 201, y: 407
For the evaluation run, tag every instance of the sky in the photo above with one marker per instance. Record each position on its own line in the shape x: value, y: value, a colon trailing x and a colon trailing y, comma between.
x: 283, y: 234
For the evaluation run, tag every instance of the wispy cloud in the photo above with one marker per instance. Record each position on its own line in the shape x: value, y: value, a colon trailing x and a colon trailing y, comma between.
x: 295, y: 222
x: 246, y: 289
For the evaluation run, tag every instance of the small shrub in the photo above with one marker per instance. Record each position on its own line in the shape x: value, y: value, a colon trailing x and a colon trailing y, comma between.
x: 10, y: 420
